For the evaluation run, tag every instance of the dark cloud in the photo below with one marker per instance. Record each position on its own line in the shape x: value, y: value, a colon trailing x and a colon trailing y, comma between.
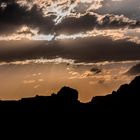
x: 114, y: 21
x: 96, y: 70
x: 15, y: 16
x: 135, y: 70
x: 89, y: 21
x: 71, y: 25
x: 91, y: 49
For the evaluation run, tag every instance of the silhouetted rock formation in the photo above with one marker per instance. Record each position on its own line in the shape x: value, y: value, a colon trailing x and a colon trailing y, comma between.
x: 123, y: 101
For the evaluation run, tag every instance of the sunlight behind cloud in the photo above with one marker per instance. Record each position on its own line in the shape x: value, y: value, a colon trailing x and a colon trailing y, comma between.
x: 61, y: 8
x: 27, y: 33
x: 43, y: 37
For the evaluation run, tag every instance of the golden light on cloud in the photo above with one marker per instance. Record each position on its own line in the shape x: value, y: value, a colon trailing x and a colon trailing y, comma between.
x: 60, y: 8
x: 27, y: 30
x: 75, y: 36
x: 94, y: 4
x: 24, y: 32
x: 115, y: 34
x: 43, y: 37
x: 28, y: 33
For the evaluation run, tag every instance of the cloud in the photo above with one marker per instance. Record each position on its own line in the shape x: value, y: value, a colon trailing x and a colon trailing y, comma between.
x: 62, y: 8
x: 59, y: 17
x: 135, y: 70
x: 84, y: 6
x: 96, y: 70
x: 89, y: 49
x: 90, y: 21
x: 42, y: 61
x: 13, y: 17
x: 74, y: 24
x: 128, y: 8
x: 29, y: 81
x: 24, y: 32
x: 114, y: 71
x: 42, y: 14
x: 27, y: 33
x: 132, y: 35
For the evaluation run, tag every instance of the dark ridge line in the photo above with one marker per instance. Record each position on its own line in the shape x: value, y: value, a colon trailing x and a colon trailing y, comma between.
x: 125, y: 100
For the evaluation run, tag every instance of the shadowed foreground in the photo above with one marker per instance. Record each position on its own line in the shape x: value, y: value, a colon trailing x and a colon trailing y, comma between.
x: 62, y: 113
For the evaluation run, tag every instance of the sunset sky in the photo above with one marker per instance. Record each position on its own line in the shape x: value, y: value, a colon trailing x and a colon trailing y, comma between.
x: 90, y: 45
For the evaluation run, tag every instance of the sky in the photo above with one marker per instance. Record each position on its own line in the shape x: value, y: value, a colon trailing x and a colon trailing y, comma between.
x: 90, y: 45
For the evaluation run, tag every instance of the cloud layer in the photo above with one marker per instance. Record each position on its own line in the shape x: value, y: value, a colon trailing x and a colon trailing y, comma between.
x: 90, y: 21
x: 135, y: 70
x: 86, y: 31
x: 62, y: 16
x: 89, y: 49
